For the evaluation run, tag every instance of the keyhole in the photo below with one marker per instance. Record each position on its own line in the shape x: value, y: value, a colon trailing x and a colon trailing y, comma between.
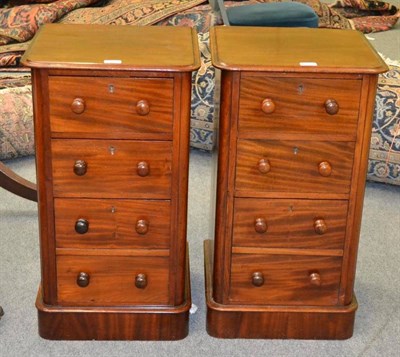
x: 113, y: 209
x: 295, y: 150
x: 111, y: 88
x: 111, y: 149
x: 300, y: 89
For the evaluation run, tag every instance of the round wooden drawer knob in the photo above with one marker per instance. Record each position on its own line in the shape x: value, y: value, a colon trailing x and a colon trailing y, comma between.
x: 257, y: 279
x: 142, y: 107
x: 331, y: 106
x: 264, y: 166
x: 320, y: 226
x: 324, y: 168
x: 268, y: 106
x: 143, y: 168
x: 78, y: 106
x: 83, y: 279
x: 80, y: 167
x: 81, y: 226
x: 260, y: 225
x: 141, y: 281
x: 142, y: 226
x: 315, y: 279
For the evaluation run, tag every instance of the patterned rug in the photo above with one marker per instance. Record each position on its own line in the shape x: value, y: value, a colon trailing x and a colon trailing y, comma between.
x: 130, y: 12
x: 202, y: 123
x: 20, y: 23
x: 367, y: 15
x: 384, y: 156
x: 16, y: 126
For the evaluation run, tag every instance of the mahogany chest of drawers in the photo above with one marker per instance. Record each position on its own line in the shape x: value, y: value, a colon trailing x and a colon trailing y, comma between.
x: 112, y: 107
x: 295, y: 123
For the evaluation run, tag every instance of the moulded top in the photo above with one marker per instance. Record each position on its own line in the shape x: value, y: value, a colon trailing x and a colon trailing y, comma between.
x: 147, y: 48
x: 293, y: 50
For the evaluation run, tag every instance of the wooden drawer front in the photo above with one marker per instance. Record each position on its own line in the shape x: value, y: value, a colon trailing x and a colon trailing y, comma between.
x: 293, y: 166
x: 287, y: 279
x: 95, y: 223
x: 113, y: 168
x: 112, y: 280
x: 298, y: 106
x: 299, y: 224
x: 111, y: 107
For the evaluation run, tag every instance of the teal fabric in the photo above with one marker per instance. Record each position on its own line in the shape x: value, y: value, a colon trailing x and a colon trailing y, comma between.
x: 283, y: 14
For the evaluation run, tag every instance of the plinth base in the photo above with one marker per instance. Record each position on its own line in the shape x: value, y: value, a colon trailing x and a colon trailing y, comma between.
x: 115, y: 323
x: 274, y: 322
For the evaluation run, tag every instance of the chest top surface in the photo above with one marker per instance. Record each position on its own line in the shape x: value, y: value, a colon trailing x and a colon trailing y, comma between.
x: 148, y: 48
x: 293, y: 50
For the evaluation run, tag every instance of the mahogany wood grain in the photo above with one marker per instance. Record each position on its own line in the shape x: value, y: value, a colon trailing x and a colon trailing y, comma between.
x: 294, y: 167
x: 179, y: 186
x: 120, y: 252
x: 357, y: 189
x: 112, y: 168
x: 134, y: 324
x: 300, y: 194
x: 290, y: 223
x: 287, y: 279
x: 112, y: 280
x: 287, y: 50
x: 112, y: 223
x: 301, y: 109
x: 280, y: 324
x: 128, y: 322
x: 98, y: 47
x: 288, y: 251
x: 225, y: 180
x: 296, y: 125
x: 273, y: 322
x: 105, y: 97
x: 106, y: 72
x: 113, y: 146
x: 44, y: 185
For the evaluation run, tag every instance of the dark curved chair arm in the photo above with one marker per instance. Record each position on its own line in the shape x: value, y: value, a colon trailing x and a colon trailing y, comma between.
x: 16, y: 184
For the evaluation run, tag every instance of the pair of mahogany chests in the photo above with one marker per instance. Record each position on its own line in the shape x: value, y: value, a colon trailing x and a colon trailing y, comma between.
x: 112, y: 114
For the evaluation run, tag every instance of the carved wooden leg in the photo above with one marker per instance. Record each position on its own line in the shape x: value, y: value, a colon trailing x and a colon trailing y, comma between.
x: 16, y: 184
